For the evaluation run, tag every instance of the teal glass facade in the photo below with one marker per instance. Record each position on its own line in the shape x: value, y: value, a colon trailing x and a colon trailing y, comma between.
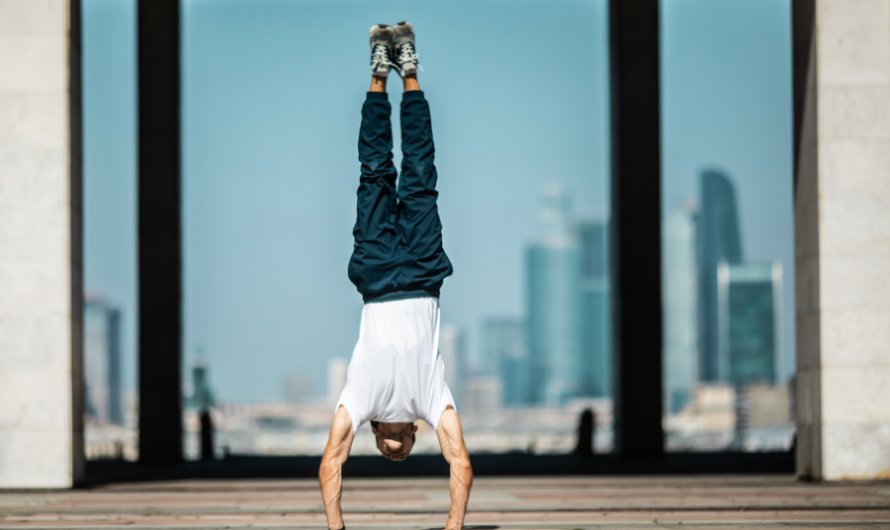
x: 748, y: 320
x: 554, y: 304
x: 596, y: 353
x: 505, y: 341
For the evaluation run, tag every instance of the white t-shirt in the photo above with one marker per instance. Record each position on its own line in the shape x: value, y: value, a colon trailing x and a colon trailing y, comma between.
x: 396, y: 373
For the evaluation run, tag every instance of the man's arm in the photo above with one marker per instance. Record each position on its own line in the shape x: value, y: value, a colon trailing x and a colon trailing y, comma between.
x: 330, y: 473
x: 451, y: 440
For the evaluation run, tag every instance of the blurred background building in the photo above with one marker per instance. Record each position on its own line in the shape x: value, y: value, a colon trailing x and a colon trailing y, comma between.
x: 102, y: 361
x: 596, y: 349
x: 719, y: 240
x: 505, y: 340
x: 681, y: 308
x: 748, y: 317
x: 201, y: 396
x: 722, y: 320
x: 554, y: 303
x: 110, y: 412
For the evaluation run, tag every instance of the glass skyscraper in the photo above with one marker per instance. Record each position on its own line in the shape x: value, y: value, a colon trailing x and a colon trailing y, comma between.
x: 554, y: 304
x: 505, y: 342
x: 594, y: 329
x: 748, y: 309
x: 594, y: 239
x: 680, y: 286
x: 102, y: 361
x: 719, y: 241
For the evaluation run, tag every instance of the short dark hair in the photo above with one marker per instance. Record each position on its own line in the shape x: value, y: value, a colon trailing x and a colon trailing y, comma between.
x: 375, y: 425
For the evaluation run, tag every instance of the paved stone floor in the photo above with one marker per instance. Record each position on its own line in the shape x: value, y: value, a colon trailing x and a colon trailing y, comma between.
x: 563, y: 503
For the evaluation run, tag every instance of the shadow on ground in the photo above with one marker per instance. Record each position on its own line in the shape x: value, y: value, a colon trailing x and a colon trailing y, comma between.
x: 511, y: 464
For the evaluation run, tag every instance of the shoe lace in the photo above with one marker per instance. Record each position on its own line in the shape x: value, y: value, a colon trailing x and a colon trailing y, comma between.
x: 380, y: 55
x: 408, y: 55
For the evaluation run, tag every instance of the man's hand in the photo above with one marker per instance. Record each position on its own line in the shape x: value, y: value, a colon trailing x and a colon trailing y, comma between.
x: 330, y: 474
x: 451, y: 440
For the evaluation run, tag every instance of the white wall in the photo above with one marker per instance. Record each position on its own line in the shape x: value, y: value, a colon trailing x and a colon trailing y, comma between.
x: 40, y: 261
x: 843, y: 246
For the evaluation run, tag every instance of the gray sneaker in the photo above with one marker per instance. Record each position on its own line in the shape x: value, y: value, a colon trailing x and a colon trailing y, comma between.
x: 381, y: 37
x: 403, y: 50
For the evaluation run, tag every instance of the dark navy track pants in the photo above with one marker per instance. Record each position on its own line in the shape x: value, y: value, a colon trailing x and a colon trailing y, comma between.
x: 398, y: 236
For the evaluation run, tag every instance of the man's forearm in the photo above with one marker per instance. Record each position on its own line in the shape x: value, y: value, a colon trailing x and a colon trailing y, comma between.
x: 460, y: 483
x: 451, y: 440
x: 331, y: 478
x: 330, y: 474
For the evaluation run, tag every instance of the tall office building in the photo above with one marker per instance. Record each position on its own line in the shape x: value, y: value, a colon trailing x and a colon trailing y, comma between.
x: 102, y: 360
x: 593, y: 237
x: 594, y: 341
x: 749, y: 302
x: 680, y: 299
x: 554, y: 303
x: 451, y: 348
x: 202, y: 395
x: 505, y: 341
x: 719, y: 241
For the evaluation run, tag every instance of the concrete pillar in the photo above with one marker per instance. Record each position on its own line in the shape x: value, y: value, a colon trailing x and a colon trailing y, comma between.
x: 842, y: 237
x: 636, y: 227
x: 41, y: 380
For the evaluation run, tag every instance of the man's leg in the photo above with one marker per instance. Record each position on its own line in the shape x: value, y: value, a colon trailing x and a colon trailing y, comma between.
x: 419, y: 222
x: 376, y: 238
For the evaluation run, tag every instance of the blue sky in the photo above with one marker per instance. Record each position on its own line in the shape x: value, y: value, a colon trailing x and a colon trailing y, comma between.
x: 519, y: 95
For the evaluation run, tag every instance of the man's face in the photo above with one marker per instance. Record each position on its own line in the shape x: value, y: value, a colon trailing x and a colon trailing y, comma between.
x: 395, y: 440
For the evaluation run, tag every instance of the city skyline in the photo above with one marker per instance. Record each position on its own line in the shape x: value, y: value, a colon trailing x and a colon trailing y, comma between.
x: 722, y: 313
x: 268, y: 160
x: 559, y: 349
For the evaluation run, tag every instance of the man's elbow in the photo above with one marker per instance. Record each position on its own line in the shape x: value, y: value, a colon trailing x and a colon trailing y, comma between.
x: 329, y: 466
x: 462, y: 467
x: 322, y: 471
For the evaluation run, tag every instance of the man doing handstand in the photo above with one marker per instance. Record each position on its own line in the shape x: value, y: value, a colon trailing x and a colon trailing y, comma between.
x: 396, y: 375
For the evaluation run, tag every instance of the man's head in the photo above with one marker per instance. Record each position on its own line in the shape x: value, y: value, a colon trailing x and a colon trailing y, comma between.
x: 394, y: 440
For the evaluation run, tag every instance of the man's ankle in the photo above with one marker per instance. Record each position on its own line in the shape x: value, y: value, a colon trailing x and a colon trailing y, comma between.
x: 378, y: 84
x: 410, y: 83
